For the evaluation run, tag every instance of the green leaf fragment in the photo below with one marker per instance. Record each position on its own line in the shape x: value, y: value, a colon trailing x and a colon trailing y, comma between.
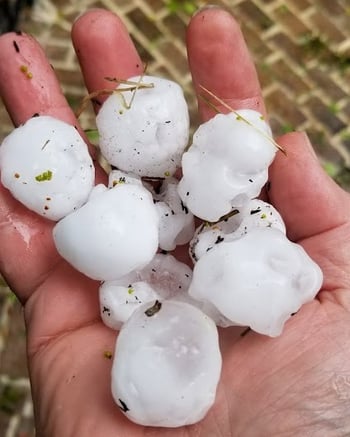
x: 45, y: 176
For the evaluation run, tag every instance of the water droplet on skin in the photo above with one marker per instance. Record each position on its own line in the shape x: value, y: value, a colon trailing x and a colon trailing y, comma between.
x: 25, y: 231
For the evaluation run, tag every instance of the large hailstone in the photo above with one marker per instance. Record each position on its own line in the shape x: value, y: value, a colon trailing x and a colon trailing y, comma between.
x: 167, y: 365
x: 149, y: 137
x: 227, y: 164
x: 163, y: 278
x: 45, y: 164
x: 258, y: 280
x: 115, y: 232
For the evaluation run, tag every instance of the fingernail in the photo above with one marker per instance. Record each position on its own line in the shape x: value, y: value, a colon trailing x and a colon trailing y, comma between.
x: 207, y: 7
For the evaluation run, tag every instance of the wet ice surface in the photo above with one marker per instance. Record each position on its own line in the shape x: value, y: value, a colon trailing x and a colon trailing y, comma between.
x: 163, y: 278
x: 253, y: 214
x: 176, y: 222
x: 149, y: 137
x: 47, y: 167
x: 227, y: 164
x: 181, y: 362
x: 114, y: 233
x: 258, y: 280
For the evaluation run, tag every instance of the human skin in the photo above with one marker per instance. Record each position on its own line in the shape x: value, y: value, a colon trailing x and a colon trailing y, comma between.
x: 295, y: 385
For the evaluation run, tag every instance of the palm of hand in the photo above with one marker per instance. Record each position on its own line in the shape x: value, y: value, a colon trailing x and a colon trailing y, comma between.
x: 296, y: 384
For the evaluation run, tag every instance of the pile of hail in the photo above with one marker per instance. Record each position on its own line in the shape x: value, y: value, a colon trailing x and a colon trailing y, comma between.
x: 245, y: 270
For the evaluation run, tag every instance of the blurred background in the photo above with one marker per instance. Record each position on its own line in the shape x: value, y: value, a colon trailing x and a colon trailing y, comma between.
x: 302, y: 52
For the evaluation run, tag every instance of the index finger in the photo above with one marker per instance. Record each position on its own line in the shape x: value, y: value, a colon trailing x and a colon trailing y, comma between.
x: 220, y: 61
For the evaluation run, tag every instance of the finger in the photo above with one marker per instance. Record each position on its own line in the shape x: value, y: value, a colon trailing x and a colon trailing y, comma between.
x: 308, y: 199
x: 104, y: 51
x: 315, y: 209
x: 28, y: 84
x: 220, y: 61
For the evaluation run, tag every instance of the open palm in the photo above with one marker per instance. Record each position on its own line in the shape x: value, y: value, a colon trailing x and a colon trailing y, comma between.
x: 294, y: 385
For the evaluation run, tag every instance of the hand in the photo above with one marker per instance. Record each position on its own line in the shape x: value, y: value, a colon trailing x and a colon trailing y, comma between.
x: 295, y: 385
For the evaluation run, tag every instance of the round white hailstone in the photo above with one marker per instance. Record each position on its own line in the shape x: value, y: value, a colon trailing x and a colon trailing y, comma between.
x: 45, y: 164
x: 149, y: 137
x: 168, y: 374
x: 115, y: 232
x: 176, y: 222
x: 258, y: 280
x: 254, y: 214
x: 116, y: 177
x: 163, y: 278
x: 227, y: 164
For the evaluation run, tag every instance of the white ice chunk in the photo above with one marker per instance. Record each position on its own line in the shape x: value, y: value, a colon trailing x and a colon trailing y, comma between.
x: 167, y: 365
x: 118, y: 302
x: 115, y: 232
x: 227, y: 164
x: 46, y: 166
x: 176, y: 222
x: 163, y: 278
x: 116, y: 177
x: 257, y: 280
x: 255, y: 213
x: 149, y: 137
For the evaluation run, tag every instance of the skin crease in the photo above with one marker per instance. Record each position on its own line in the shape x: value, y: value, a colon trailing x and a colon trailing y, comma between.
x: 293, y: 385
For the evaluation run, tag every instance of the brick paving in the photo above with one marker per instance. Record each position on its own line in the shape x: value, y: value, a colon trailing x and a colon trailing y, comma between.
x: 302, y: 52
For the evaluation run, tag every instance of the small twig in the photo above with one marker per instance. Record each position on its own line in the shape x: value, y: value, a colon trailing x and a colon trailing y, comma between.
x: 209, y: 103
x: 133, y: 86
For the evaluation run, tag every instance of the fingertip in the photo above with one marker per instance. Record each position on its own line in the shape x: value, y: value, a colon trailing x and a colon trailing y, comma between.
x: 211, y: 12
x: 93, y: 19
x: 28, y: 84
x: 220, y: 61
x: 104, y: 49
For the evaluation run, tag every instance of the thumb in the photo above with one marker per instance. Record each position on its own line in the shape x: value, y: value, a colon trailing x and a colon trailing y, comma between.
x: 309, y: 201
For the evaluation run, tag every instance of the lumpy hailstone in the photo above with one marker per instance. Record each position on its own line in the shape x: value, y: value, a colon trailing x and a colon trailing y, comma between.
x: 163, y: 278
x: 227, y: 164
x: 176, y: 222
x: 149, y: 137
x: 115, y: 232
x: 167, y: 365
x: 46, y: 166
x: 257, y: 280
x: 254, y: 214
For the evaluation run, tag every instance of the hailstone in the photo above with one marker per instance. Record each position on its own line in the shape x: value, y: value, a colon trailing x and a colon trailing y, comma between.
x: 167, y: 365
x: 255, y: 213
x: 115, y: 232
x: 227, y: 163
x: 176, y: 222
x: 147, y: 131
x: 46, y: 165
x: 116, y: 177
x: 257, y: 280
x: 163, y: 278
